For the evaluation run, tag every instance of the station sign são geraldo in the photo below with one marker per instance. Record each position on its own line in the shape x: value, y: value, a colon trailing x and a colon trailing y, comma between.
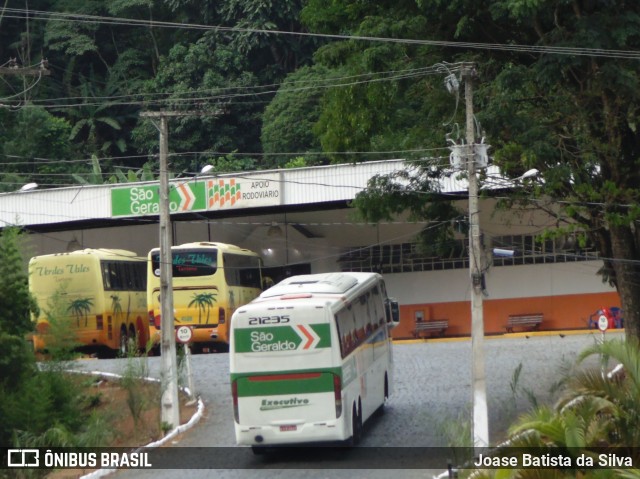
x: 204, y: 194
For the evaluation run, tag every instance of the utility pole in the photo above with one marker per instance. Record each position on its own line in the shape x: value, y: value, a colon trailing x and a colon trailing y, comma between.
x: 476, y: 260
x: 12, y: 69
x: 170, y: 405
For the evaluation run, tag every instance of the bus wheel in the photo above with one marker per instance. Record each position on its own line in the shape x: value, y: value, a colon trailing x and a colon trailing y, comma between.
x: 132, y: 339
x: 385, y: 396
x: 386, y: 387
x: 356, y: 427
x: 124, y: 347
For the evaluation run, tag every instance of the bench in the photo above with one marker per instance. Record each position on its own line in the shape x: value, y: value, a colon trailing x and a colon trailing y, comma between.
x: 526, y: 321
x: 438, y: 326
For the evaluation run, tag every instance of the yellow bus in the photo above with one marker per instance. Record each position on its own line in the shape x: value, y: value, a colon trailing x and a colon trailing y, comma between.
x: 210, y: 280
x: 103, y: 292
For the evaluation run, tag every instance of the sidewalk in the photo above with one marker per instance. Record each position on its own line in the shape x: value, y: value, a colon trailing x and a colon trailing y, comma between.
x: 519, y: 334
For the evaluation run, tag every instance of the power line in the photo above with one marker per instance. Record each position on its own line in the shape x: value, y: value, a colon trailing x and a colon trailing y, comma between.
x: 121, y: 21
x: 172, y: 99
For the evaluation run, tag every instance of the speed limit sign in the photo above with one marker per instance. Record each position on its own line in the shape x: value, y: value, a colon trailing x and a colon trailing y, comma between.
x: 603, y: 323
x: 184, y: 334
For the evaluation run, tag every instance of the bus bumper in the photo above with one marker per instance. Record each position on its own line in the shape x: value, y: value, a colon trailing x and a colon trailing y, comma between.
x: 287, y: 434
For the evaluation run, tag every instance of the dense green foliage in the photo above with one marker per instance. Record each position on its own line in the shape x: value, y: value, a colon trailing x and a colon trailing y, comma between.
x: 106, y: 69
x: 39, y: 406
x: 16, y: 306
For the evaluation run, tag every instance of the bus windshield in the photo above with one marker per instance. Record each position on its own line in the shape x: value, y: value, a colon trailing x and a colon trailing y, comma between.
x: 188, y: 263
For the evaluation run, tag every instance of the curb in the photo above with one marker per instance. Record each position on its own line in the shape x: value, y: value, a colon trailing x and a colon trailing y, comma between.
x: 520, y: 334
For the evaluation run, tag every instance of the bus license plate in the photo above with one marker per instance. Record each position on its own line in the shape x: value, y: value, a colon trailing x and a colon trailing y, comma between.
x: 288, y: 428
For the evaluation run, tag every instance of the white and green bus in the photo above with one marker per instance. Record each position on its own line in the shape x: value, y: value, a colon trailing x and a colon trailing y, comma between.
x: 311, y: 359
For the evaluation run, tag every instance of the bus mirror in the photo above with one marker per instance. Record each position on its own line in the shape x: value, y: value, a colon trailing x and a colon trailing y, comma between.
x: 393, y: 312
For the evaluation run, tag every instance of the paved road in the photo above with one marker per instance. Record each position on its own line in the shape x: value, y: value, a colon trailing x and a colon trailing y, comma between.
x: 432, y: 391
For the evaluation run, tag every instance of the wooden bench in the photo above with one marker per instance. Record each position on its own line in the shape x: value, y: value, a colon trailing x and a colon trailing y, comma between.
x: 438, y: 326
x: 529, y: 322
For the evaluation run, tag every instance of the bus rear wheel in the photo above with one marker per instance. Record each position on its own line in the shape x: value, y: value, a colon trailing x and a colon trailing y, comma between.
x: 356, y: 427
x: 132, y: 340
x: 385, y: 396
x: 124, y: 341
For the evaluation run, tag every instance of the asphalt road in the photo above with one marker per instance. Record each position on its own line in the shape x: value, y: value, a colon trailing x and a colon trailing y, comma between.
x: 430, y: 403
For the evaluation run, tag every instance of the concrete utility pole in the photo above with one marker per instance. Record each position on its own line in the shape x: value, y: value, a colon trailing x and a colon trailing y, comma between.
x: 476, y: 260
x: 170, y: 405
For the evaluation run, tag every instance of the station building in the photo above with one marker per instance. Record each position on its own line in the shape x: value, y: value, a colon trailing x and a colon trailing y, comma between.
x: 300, y: 221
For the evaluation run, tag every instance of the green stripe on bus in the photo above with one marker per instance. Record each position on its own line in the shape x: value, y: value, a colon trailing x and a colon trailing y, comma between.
x: 299, y: 337
x: 278, y: 384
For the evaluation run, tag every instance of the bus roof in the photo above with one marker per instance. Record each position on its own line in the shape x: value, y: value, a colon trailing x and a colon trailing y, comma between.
x: 209, y: 244
x: 326, y: 284
x: 102, y: 253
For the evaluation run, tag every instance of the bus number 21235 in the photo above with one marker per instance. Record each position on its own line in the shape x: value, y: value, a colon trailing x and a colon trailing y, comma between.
x: 269, y: 320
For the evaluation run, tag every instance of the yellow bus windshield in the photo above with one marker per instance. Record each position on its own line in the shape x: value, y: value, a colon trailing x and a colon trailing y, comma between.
x: 209, y: 283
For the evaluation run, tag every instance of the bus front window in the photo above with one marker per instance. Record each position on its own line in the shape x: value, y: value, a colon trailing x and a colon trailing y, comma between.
x: 188, y: 263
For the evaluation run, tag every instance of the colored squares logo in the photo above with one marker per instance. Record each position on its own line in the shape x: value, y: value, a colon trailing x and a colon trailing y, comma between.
x: 222, y: 193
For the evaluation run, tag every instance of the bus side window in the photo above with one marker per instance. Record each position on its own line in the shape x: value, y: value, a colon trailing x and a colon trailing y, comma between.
x: 141, y: 275
x: 118, y: 280
x: 343, y: 322
x: 378, y: 308
x: 106, y: 276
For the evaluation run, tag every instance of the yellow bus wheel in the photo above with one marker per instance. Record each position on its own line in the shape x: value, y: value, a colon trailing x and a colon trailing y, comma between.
x: 124, y: 339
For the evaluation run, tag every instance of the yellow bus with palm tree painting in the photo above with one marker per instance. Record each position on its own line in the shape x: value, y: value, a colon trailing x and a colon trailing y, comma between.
x: 210, y: 280
x: 97, y: 297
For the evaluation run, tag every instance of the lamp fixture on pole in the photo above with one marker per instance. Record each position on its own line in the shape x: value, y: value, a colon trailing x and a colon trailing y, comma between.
x: 28, y: 187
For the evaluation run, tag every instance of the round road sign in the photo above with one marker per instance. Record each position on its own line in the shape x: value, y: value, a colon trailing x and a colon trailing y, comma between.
x: 184, y: 334
x: 603, y: 323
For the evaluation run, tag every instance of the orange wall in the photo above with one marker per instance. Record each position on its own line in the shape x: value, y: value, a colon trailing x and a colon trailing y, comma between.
x: 560, y: 312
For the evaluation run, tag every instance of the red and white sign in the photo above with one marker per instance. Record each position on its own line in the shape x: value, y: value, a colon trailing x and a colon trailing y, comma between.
x: 184, y: 334
x: 603, y: 323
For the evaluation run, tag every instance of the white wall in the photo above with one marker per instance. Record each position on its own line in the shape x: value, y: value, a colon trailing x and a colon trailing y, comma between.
x: 502, y: 282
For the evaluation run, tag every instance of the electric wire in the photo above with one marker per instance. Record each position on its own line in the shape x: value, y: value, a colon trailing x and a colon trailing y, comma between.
x: 121, y: 21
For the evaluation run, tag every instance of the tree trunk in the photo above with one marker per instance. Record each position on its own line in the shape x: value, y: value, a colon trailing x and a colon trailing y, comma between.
x: 627, y: 271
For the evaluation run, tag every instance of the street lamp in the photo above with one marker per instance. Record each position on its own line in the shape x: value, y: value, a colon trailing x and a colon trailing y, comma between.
x: 28, y: 187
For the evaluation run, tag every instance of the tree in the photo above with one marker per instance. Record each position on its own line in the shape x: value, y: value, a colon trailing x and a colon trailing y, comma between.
x: 35, y: 146
x: 209, y: 77
x: 288, y: 121
x: 384, y: 100
x: 16, y: 307
x: 274, y: 55
x: 572, y: 116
